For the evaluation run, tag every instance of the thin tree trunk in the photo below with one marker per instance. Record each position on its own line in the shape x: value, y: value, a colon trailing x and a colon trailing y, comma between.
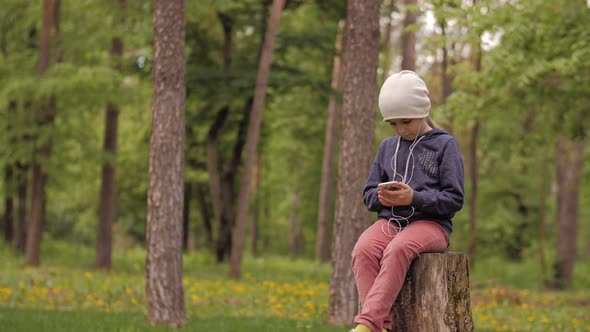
x: 20, y: 239
x: 23, y: 168
x: 256, y: 185
x: 358, y: 124
x: 41, y: 154
x: 254, y: 232
x: 164, y: 289
x: 542, y: 211
x: 253, y: 137
x: 228, y: 192
x: 186, y: 211
x: 107, y: 192
x: 213, y: 162
x: 104, y: 234
x: 215, y: 180
x: 8, y: 203
x: 387, y: 42
x: 205, y: 215
x: 57, y: 29
x: 409, y: 36
x: 446, y: 78
x: 9, y: 185
x: 474, y: 165
x: 294, y: 227
x: 569, y: 156
x: 327, y: 185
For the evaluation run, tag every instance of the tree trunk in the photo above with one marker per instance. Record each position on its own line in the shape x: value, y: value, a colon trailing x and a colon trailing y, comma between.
x: 294, y: 227
x: 356, y: 152
x: 327, y: 185
x: 473, y: 180
x: 227, y: 191
x: 409, y: 36
x: 387, y: 42
x: 435, y: 295
x: 569, y: 156
x: 186, y: 213
x: 41, y: 154
x: 213, y: 163
x: 446, y: 78
x: 254, y: 228
x: 253, y: 137
x: 542, y: 211
x: 215, y: 178
x: 474, y: 165
x: 254, y: 232
x: 8, y: 204
x: 205, y: 215
x: 164, y: 289
x: 20, y: 239
x: 104, y: 234
x: 107, y: 192
x: 224, y: 241
x: 57, y: 29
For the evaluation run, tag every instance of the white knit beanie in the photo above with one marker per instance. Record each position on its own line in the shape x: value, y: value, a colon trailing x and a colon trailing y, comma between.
x: 404, y: 95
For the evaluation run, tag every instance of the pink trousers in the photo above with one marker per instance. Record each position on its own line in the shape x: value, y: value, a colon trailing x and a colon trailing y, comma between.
x: 380, y: 260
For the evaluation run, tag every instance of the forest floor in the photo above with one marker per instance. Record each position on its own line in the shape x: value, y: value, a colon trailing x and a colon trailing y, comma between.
x: 274, y: 294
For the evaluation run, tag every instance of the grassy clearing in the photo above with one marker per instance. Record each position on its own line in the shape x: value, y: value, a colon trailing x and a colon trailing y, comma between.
x: 275, y: 294
x: 93, y: 321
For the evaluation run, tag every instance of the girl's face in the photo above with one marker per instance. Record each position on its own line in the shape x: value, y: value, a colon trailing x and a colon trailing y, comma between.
x: 408, y: 128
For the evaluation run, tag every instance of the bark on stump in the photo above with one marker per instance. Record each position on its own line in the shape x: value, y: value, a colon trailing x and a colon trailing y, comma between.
x: 435, y: 295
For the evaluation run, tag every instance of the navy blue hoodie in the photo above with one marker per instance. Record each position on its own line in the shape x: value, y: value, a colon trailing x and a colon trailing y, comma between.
x: 437, y: 178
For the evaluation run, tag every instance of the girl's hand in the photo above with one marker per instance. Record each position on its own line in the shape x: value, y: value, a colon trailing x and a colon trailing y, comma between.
x: 396, y: 197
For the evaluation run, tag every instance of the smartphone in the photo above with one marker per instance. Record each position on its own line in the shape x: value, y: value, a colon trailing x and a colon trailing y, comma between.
x: 392, y: 185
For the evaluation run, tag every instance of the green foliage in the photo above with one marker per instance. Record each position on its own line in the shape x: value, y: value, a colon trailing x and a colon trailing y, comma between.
x: 533, y: 86
x: 531, y: 89
x: 82, y: 84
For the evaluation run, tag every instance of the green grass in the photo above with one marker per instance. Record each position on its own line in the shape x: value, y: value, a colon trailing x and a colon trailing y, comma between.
x: 523, y: 275
x: 24, y: 320
x: 274, y: 294
x: 199, y: 264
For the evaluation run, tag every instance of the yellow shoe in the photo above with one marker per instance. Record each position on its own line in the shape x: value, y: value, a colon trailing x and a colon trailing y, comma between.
x: 361, y: 328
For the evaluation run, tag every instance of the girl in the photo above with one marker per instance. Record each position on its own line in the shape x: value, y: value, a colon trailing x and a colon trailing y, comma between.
x: 416, y: 216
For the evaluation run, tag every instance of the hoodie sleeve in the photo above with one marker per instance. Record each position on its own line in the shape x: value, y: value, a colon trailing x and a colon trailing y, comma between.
x: 449, y: 197
x: 370, y: 197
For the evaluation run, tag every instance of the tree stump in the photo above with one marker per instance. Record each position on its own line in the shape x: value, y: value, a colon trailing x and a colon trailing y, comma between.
x: 435, y: 295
